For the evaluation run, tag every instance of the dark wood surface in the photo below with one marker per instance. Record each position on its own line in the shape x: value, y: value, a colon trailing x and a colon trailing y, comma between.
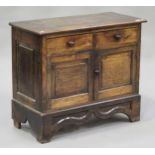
x: 117, y: 72
x: 75, y: 23
x: 73, y: 77
x: 46, y: 125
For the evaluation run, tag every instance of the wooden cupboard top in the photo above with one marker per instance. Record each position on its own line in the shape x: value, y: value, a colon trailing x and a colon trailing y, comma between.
x: 75, y: 23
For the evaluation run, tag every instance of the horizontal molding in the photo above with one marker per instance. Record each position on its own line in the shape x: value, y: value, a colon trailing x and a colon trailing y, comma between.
x: 26, y: 98
x: 25, y: 47
x: 68, y: 101
x: 115, y: 91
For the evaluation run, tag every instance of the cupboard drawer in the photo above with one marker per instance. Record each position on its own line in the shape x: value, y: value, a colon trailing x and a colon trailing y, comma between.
x: 116, y: 38
x: 68, y: 44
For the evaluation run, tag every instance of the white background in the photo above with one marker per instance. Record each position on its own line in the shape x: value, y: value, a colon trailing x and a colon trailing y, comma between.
x: 116, y: 132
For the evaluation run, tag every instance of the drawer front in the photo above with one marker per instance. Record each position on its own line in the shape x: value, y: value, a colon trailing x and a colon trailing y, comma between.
x: 66, y: 45
x: 116, y: 38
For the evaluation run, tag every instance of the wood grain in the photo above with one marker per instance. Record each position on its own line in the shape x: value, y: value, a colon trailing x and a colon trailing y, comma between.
x: 45, y: 125
x: 26, y: 71
x: 69, y: 70
x: 25, y: 64
x: 116, y: 70
x: 117, y: 91
x: 69, y: 79
x: 108, y: 39
x: 76, y: 23
x: 60, y: 46
x: 69, y: 101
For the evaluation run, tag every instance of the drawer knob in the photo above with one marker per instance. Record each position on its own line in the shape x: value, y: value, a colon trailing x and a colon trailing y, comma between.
x: 96, y: 71
x: 117, y: 37
x: 71, y: 43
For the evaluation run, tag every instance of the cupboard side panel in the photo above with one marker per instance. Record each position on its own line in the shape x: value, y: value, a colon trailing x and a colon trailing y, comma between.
x: 26, y: 68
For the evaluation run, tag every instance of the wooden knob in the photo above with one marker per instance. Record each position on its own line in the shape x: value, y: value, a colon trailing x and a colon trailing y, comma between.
x: 117, y: 37
x: 71, y: 43
x: 96, y: 71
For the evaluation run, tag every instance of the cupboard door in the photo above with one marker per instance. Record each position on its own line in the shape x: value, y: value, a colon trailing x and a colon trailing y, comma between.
x: 115, y: 72
x: 69, y: 81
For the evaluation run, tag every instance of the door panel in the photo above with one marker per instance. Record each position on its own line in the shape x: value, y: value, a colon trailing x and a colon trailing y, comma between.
x: 70, y: 81
x: 70, y: 78
x: 116, y: 76
x: 116, y: 70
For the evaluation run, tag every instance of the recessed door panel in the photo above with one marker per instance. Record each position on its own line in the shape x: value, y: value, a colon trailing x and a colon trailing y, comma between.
x: 71, y: 78
x: 116, y: 70
x: 117, y: 73
x: 69, y: 81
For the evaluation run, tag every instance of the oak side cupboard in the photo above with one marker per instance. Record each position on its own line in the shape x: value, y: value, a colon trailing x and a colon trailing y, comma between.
x: 70, y: 70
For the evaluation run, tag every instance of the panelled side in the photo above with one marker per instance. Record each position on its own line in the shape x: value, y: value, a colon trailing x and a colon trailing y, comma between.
x: 26, y: 68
